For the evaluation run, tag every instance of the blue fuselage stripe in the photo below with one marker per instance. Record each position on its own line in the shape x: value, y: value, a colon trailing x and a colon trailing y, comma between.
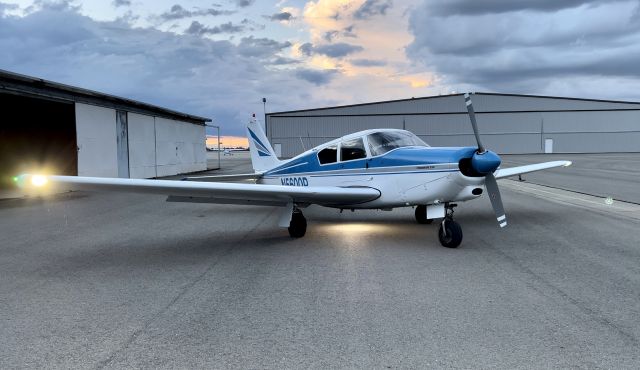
x: 319, y: 174
x: 394, y: 160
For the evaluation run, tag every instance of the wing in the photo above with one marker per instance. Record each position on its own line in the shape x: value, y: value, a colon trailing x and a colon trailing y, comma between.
x: 229, y: 193
x: 225, y: 178
x: 515, y: 171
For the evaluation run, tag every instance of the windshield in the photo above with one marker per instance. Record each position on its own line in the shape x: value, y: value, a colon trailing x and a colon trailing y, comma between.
x: 382, y: 142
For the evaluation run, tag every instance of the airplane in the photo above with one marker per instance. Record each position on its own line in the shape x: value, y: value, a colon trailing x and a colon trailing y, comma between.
x: 372, y: 169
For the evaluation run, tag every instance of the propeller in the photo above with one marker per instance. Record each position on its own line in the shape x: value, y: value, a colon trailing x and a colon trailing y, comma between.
x: 486, y: 162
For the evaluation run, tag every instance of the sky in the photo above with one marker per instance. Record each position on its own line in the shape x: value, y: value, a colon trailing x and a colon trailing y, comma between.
x: 219, y: 58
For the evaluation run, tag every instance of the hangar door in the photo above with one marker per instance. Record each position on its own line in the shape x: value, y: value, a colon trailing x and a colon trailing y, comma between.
x: 36, y: 135
x: 97, y: 141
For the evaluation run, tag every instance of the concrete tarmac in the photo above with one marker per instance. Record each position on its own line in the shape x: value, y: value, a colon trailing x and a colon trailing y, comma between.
x: 97, y: 280
x: 615, y: 175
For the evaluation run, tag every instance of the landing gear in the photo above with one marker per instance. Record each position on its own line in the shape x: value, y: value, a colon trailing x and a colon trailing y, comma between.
x: 298, y: 224
x: 450, y: 232
x: 421, y: 215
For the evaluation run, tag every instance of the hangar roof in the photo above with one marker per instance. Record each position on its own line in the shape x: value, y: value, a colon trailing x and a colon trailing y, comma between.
x: 15, y: 83
x: 454, y: 104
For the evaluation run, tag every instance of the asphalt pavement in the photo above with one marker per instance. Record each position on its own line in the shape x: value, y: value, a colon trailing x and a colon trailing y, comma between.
x: 91, y: 280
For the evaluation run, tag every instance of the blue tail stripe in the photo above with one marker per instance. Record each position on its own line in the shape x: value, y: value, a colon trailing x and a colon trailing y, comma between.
x: 257, y: 140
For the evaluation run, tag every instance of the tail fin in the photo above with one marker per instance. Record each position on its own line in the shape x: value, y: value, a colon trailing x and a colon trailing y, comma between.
x: 263, y: 158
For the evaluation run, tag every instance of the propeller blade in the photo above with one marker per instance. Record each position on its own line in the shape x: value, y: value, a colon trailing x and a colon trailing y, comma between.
x: 496, y: 200
x: 474, y: 124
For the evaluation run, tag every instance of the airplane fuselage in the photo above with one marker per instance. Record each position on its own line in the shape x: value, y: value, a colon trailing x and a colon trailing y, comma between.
x: 404, y: 176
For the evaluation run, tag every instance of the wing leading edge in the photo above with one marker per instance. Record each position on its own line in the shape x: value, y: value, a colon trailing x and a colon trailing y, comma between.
x: 515, y: 171
x: 230, y: 193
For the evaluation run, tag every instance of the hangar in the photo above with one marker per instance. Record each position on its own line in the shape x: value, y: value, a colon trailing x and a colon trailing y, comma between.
x: 509, y: 123
x: 68, y: 130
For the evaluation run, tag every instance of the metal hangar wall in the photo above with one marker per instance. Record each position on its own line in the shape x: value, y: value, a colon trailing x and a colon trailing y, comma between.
x: 47, y: 126
x: 509, y: 123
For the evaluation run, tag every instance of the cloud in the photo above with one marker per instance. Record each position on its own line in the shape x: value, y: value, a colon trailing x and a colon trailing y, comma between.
x: 244, y: 3
x: 368, y: 63
x: 4, y: 7
x: 463, y: 7
x: 528, y: 48
x: 329, y: 36
x: 337, y: 50
x: 178, y: 12
x: 197, y: 28
x: 261, y: 47
x: 372, y: 8
x: 283, y: 16
x: 119, y: 3
x: 53, y: 5
x: 316, y: 77
x: 281, y: 61
x: 192, y: 74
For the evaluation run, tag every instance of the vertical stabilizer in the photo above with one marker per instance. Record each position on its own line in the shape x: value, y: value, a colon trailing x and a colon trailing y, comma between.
x: 263, y: 158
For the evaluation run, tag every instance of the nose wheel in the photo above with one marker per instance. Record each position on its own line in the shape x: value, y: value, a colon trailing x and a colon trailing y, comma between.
x: 298, y: 224
x: 450, y: 232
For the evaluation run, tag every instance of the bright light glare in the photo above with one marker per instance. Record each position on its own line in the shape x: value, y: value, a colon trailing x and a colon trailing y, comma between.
x: 38, y: 180
x: 358, y: 228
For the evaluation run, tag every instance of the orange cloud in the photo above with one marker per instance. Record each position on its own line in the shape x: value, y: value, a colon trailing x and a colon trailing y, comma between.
x: 382, y: 38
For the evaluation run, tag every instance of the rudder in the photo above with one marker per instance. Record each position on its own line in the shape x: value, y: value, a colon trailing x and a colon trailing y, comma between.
x: 263, y: 158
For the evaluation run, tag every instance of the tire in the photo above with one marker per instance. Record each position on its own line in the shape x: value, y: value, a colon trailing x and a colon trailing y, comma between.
x: 298, y: 225
x: 452, y: 234
x: 421, y: 215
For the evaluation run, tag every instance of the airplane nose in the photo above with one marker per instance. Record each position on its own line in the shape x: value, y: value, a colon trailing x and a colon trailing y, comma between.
x: 486, y: 162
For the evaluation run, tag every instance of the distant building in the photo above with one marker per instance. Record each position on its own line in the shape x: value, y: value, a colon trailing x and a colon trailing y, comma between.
x: 509, y: 124
x: 47, y: 126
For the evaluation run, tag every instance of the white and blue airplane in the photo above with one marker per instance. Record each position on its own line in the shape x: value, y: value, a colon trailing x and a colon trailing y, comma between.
x: 372, y: 169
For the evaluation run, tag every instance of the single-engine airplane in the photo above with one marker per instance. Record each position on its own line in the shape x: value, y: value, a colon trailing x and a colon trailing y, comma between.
x: 371, y: 169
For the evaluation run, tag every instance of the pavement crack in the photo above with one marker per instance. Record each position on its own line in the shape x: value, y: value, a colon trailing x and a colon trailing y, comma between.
x: 185, y: 289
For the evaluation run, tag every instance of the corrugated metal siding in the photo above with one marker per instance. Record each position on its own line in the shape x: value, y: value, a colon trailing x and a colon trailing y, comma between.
x: 522, y: 131
x: 614, y: 121
x: 595, y: 142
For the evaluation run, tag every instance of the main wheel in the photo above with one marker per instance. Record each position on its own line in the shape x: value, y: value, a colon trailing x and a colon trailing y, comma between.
x: 298, y: 225
x: 421, y: 215
x: 450, y: 234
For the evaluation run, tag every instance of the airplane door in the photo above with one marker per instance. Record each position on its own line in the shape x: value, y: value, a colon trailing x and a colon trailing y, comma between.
x: 353, y: 156
x: 122, y: 132
x: 548, y: 146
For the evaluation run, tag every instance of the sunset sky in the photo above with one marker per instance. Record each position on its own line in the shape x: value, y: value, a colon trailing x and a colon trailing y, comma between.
x: 219, y: 58
x: 228, y: 141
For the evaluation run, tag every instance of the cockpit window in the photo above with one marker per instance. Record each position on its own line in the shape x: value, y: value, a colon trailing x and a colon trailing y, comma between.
x: 328, y: 155
x: 382, y: 142
x: 352, y: 149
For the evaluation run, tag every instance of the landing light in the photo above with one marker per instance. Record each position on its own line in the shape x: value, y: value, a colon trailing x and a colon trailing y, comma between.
x: 38, y: 180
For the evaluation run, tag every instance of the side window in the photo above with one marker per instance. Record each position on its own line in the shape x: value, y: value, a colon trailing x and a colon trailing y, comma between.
x: 352, y: 149
x: 328, y: 155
